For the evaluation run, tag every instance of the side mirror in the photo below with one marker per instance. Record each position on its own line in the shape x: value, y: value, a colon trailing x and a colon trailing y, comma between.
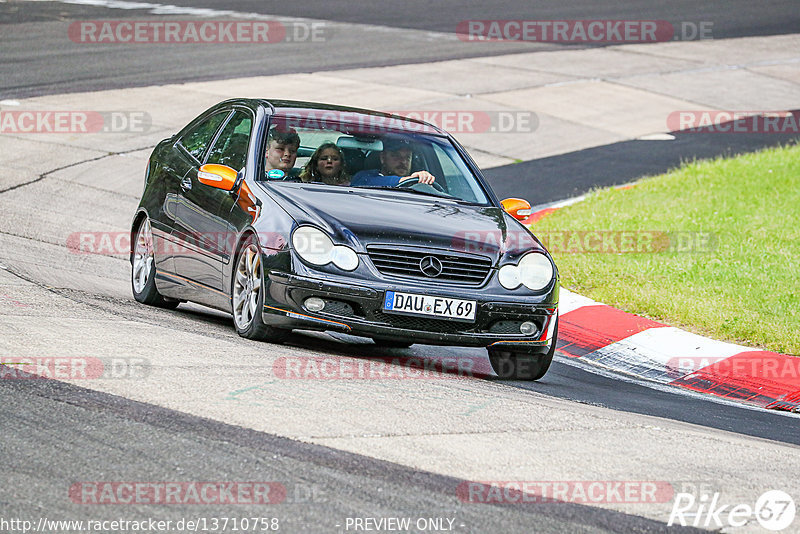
x: 518, y: 208
x: 219, y: 176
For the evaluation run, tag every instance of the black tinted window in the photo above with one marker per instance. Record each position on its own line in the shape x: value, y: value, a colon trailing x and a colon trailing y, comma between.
x: 231, y: 146
x: 197, y: 139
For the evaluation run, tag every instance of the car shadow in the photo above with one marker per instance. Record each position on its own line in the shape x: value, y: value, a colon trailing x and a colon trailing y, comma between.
x: 421, y: 361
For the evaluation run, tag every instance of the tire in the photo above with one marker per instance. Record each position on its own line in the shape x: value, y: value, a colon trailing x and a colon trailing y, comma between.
x: 392, y: 343
x: 143, y: 270
x: 510, y: 365
x: 247, y: 295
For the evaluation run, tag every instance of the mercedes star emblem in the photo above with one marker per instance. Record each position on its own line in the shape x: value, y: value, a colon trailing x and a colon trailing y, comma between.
x: 430, y: 266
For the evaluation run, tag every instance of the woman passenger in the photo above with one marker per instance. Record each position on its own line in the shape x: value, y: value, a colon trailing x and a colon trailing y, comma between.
x: 327, y: 166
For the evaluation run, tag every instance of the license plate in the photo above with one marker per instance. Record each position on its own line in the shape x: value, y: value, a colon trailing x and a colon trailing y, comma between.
x: 411, y: 304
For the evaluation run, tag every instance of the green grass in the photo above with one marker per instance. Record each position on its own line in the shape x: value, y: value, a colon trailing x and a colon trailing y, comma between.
x: 743, y: 285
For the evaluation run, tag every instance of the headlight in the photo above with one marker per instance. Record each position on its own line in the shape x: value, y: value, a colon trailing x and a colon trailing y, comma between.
x: 509, y: 276
x: 344, y: 257
x: 534, y: 271
x: 315, y: 247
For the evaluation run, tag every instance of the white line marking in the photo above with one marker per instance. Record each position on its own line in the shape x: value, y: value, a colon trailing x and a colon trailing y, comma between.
x: 657, y: 137
x: 570, y: 301
x: 668, y: 344
x: 558, y: 203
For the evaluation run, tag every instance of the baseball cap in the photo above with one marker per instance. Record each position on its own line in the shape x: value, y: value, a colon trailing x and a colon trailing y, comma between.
x: 396, y: 143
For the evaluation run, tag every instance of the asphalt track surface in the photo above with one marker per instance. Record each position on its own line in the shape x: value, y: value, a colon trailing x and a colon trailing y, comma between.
x: 39, y: 58
x: 44, y: 422
x: 739, y: 18
x: 121, y: 439
x: 56, y: 435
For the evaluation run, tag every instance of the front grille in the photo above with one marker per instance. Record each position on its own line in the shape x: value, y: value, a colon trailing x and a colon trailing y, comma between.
x: 424, y: 324
x: 405, y: 262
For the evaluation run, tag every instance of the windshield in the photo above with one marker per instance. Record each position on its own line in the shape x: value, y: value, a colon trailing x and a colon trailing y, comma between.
x: 364, y: 153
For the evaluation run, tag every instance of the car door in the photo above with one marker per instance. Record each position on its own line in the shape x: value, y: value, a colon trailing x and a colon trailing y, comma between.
x: 231, y: 149
x: 173, y: 162
x: 187, y: 155
x: 201, y: 210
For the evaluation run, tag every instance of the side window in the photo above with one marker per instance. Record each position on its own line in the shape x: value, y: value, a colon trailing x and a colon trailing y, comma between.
x: 231, y: 146
x: 197, y: 139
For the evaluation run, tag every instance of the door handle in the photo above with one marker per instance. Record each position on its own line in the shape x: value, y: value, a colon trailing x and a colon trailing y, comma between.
x: 186, y: 183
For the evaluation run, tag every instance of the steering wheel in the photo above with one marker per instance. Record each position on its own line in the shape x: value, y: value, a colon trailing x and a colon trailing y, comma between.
x: 415, y: 181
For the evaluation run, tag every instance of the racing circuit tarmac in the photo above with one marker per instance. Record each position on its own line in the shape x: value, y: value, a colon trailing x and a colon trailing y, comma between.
x: 209, y: 407
x: 397, y: 33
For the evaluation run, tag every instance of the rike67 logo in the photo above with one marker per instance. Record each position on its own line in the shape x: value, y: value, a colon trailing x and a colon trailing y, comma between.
x: 774, y: 510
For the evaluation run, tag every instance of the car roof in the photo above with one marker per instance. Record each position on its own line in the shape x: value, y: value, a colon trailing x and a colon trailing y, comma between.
x: 301, y: 108
x: 347, y: 113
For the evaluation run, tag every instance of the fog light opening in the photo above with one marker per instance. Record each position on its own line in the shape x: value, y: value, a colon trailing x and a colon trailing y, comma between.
x: 528, y: 328
x: 314, y: 304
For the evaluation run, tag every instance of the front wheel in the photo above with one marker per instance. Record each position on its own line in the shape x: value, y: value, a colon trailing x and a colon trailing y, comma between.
x: 143, y: 272
x: 511, y: 365
x: 247, y: 296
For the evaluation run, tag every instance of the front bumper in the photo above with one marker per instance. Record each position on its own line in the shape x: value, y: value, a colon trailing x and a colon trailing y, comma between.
x: 357, y: 310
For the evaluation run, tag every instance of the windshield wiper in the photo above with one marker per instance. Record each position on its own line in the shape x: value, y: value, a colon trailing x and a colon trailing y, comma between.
x: 410, y: 190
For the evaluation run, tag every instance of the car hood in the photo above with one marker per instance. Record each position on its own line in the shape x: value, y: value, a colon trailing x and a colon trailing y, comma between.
x: 361, y: 217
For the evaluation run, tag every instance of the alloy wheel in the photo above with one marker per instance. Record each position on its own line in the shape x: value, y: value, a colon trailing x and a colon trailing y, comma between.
x: 247, y: 286
x: 142, y: 257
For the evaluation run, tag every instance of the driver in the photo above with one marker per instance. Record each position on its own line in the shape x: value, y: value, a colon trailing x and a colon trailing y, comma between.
x: 395, y: 167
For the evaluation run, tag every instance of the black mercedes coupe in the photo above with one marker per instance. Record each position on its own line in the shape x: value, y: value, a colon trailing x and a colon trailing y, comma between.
x: 296, y: 215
